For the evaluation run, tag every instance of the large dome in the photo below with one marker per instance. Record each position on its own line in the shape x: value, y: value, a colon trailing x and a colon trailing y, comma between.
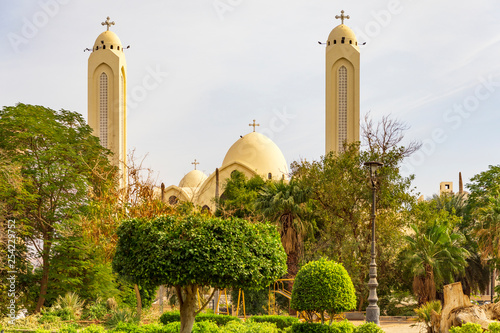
x: 110, y: 39
x: 193, y: 178
x: 259, y: 153
x: 340, y: 32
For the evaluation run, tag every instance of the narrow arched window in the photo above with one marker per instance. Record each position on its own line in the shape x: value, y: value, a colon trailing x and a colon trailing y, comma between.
x: 103, y: 109
x: 342, y: 107
x: 104, y: 47
x: 269, y: 176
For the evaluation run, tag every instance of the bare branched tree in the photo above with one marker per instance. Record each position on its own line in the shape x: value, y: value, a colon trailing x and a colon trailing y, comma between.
x: 386, y: 135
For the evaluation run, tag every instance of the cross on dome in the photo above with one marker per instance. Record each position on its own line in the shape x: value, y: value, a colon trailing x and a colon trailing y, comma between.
x: 254, y: 124
x: 195, y: 163
x: 341, y: 16
x: 108, y: 23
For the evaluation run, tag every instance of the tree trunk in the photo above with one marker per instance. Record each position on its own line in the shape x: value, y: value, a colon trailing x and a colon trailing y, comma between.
x: 188, y: 307
x: 139, y: 301
x: 47, y: 241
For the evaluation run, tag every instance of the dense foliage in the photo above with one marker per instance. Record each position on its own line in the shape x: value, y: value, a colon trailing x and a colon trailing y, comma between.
x: 189, y: 251
x: 56, y: 156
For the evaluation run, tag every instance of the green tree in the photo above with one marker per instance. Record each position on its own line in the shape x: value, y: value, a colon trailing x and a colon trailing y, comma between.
x: 191, y: 251
x: 239, y: 196
x: 323, y: 287
x: 286, y: 204
x: 341, y: 201
x: 434, y: 254
x: 56, y: 153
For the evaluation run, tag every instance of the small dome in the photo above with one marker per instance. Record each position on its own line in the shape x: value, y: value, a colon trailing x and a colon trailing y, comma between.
x: 193, y: 178
x: 109, y: 39
x: 259, y: 153
x: 342, y: 31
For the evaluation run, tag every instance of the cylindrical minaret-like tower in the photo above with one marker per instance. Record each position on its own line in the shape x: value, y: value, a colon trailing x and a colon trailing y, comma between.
x: 342, y: 87
x: 107, y: 91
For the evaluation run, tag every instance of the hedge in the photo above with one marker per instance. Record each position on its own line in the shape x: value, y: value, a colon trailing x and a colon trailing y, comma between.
x: 220, y: 320
x: 280, y: 321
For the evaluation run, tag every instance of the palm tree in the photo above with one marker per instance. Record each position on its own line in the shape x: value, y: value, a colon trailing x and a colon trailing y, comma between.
x: 285, y: 203
x: 434, y: 254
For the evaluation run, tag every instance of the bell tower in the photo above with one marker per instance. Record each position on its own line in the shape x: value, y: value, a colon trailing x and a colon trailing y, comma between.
x: 342, y: 87
x: 107, y: 91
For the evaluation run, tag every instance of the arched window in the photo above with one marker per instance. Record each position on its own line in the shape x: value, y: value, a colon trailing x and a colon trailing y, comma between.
x: 205, y: 209
x: 269, y: 176
x: 342, y: 99
x: 103, y: 110
x: 104, y: 47
x: 173, y: 200
x: 111, y: 47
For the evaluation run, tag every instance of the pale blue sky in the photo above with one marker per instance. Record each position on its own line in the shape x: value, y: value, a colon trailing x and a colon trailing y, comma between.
x: 219, y: 64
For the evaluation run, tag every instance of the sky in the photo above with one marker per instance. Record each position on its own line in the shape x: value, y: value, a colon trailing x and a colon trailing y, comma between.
x: 199, y: 71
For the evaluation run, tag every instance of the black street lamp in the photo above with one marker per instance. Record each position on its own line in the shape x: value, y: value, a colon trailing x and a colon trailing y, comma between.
x: 373, y: 311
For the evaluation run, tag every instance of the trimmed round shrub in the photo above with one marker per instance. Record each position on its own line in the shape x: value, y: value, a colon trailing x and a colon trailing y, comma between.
x: 368, y: 328
x: 170, y: 317
x: 323, y: 286
x: 280, y: 321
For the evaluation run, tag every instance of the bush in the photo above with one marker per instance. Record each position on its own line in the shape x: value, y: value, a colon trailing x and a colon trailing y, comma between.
x: 95, y: 311
x: 93, y: 329
x: 124, y: 315
x: 321, y: 286
x: 339, y: 327
x: 467, y: 328
x: 170, y: 317
x: 205, y: 327
x: 68, y: 329
x: 494, y: 327
x: 249, y: 327
x: 173, y: 327
x: 280, y: 321
x: 220, y: 320
x: 368, y: 328
x: 425, y: 311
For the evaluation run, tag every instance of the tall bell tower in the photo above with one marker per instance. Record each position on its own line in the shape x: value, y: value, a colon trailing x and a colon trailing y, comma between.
x: 107, y: 91
x: 342, y: 87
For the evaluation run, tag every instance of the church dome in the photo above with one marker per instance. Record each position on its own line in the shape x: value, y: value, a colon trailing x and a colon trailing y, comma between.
x: 194, y: 178
x: 342, y: 32
x: 108, y: 40
x: 260, y: 154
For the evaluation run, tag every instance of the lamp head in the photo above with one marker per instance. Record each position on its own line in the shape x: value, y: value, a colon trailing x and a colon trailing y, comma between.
x: 373, y: 166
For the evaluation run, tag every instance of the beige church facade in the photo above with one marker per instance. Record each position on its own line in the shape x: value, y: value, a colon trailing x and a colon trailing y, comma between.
x: 252, y: 154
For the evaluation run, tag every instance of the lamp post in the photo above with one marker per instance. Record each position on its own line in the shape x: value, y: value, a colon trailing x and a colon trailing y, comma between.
x: 373, y: 311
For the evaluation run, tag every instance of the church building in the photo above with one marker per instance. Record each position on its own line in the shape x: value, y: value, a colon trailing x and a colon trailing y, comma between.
x: 252, y: 154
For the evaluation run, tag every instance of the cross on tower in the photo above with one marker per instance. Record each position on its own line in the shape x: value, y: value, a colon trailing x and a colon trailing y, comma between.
x: 254, y: 124
x: 195, y: 163
x: 342, y: 16
x: 108, y: 23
